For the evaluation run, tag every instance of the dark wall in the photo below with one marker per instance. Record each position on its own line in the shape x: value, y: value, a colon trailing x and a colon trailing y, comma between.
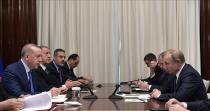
x: 205, y: 38
x: 17, y: 27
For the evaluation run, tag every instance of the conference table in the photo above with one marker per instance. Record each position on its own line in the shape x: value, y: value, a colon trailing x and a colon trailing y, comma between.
x: 105, y: 104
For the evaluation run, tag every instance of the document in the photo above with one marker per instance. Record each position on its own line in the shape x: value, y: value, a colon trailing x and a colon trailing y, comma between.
x: 139, y: 96
x: 133, y: 100
x: 144, y: 96
x: 73, y: 103
x: 59, y: 99
x: 37, y: 102
x: 138, y: 89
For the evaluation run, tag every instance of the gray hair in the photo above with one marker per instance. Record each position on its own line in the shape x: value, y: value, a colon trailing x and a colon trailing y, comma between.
x: 27, y: 49
x: 176, y: 55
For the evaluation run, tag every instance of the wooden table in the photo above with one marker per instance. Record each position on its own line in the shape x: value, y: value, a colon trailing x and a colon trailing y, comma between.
x: 103, y: 103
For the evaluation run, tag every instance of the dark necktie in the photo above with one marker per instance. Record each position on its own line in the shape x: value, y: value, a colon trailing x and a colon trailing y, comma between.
x: 60, y: 74
x: 46, y: 71
x: 175, y: 82
x: 31, y: 82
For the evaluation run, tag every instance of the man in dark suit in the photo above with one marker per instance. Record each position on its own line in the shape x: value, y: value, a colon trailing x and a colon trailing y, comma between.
x: 17, y: 77
x: 44, y: 79
x: 68, y: 70
x: 155, y: 71
x: 9, y: 104
x: 55, y: 68
x: 188, y: 85
x: 175, y: 105
x: 159, y: 78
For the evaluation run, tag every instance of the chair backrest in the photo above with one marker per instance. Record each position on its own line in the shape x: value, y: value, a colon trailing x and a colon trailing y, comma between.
x: 206, y: 83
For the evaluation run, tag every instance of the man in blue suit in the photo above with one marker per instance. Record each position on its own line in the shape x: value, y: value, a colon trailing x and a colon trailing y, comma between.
x: 188, y: 86
x: 17, y: 77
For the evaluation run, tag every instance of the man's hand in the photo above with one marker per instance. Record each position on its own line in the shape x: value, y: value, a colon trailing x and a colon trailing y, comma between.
x: 177, y: 107
x: 83, y: 81
x: 70, y: 84
x: 88, y: 78
x: 143, y: 85
x: 155, y: 93
x: 12, y: 104
x: 55, y: 91
x: 173, y: 101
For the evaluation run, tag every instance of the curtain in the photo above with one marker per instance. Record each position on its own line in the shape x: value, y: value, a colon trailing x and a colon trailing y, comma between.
x: 112, y: 36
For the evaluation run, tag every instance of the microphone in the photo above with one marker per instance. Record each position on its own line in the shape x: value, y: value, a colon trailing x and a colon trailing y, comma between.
x: 92, y: 96
x: 113, y: 95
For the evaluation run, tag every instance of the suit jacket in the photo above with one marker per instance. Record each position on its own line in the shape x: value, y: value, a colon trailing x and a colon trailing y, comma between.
x: 3, y: 94
x: 68, y: 73
x: 203, y: 105
x: 56, y: 82
x: 167, y: 83
x: 189, y: 86
x: 44, y: 79
x: 157, y: 79
x: 15, y: 80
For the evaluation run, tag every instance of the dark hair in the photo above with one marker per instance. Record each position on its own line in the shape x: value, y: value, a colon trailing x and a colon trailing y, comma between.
x: 58, y: 50
x: 73, y: 56
x: 150, y: 57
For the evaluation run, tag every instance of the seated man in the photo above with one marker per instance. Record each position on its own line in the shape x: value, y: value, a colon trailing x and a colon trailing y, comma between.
x: 44, y: 79
x: 188, y: 86
x: 162, y: 81
x: 17, y: 77
x: 55, y: 68
x: 175, y: 105
x: 155, y: 71
x: 69, y: 66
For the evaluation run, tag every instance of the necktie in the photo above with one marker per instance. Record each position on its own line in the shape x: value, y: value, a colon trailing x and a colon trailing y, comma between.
x: 60, y: 74
x: 175, y: 82
x: 47, y: 72
x: 31, y: 82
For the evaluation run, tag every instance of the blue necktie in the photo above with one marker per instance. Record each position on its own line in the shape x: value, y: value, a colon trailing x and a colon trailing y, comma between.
x: 31, y: 82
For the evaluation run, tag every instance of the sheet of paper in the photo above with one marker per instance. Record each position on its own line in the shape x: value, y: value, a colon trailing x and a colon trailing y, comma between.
x: 73, y: 103
x: 144, y: 96
x: 140, y: 96
x: 59, y: 99
x: 133, y: 100
x: 60, y: 96
x: 37, y: 102
x: 138, y: 89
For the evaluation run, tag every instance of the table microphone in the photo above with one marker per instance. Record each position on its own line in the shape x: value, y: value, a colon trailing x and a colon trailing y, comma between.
x: 113, y: 95
x: 92, y: 96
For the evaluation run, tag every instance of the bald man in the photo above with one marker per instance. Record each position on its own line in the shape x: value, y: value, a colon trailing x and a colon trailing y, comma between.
x: 17, y: 77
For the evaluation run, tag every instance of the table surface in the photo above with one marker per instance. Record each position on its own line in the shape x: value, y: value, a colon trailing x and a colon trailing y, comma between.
x: 103, y: 103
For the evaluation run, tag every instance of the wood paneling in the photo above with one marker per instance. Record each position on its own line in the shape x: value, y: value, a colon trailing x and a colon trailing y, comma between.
x: 205, y: 38
x: 18, y: 27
